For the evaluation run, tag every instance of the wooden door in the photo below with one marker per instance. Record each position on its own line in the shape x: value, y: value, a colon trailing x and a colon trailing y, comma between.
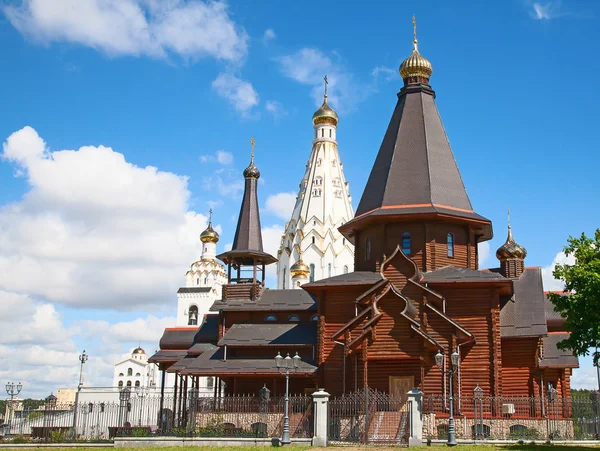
x: 400, y: 386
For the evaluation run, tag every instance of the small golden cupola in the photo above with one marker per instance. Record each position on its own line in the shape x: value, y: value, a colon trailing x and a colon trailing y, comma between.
x: 511, y: 255
x: 415, y: 68
x: 298, y: 271
x: 325, y: 114
x: 209, y: 235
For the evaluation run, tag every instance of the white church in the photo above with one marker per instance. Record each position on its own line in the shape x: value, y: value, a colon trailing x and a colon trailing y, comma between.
x: 311, y: 247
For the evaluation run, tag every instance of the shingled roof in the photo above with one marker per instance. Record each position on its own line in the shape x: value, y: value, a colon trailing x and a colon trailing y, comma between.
x: 523, y: 315
x: 351, y: 278
x: 276, y: 300
x: 554, y: 357
x: 214, y: 363
x: 294, y: 334
x: 456, y: 273
x: 415, y: 171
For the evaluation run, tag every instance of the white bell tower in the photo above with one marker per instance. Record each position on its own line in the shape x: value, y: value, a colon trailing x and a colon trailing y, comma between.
x: 323, y: 204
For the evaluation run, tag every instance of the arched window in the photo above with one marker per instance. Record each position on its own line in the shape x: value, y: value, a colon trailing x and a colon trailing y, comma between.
x: 193, y: 316
x: 344, y: 241
x: 314, y: 318
x: 345, y: 269
x: 137, y: 383
x: 198, y: 281
x: 130, y: 371
x: 129, y: 383
x: 284, y: 274
x: 329, y: 270
x: 330, y: 133
x: 450, y: 243
x: 205, y: 280
x: 322, y: 133
x: 312, y: 270
x: 137, y: 374
x: 120, y: 383
x: 121, y: 374
x: 406, y: 243
x: 293, y: 319
x: 313, y: 240
x: 271, y: 318
x: 368, y: 250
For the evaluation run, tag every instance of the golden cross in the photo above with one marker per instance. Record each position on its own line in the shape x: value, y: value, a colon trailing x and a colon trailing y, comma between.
x: 414, y: 21
x: 509, y: 218
x: 253, y: 144
x: 326, y: 83
x: 210, y: 216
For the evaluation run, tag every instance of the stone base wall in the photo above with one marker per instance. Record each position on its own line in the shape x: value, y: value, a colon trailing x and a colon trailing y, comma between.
x: 500, y: 428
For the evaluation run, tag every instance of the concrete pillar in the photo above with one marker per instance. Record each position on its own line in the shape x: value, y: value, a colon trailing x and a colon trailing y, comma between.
x: 415, y: 412
x: 320, y: 414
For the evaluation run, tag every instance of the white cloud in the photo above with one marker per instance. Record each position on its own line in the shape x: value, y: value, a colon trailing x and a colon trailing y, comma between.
x: 224, y: 157
x: 281, y: 205
x: 308, y: 66
x: 275, y: 108
x: 220, y: 156
x: 484, y: 253
x: 386, y: 73
x: 94, y: 230
x: 269, y: 34
x: 271, y: 240
x: 154, y: 28
x: 550, y: 283
x: 227, y: 182
x: 546, y: 10
x: 239, y: 93
x: 584, y: 378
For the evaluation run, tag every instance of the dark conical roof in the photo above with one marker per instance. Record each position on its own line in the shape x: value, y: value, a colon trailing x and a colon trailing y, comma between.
x: 247, y: 242
x: 415, y: 172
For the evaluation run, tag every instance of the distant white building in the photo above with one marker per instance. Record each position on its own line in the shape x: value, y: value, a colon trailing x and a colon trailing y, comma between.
x: 135, y: 371
x: 311, y: 247
x: 203, y: 282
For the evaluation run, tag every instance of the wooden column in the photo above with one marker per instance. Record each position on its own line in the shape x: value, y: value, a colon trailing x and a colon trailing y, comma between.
x: 161, y: 424
x: 495, y: 344
x: 175, y: 398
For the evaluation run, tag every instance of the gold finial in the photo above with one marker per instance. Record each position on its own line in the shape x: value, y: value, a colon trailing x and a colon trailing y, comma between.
x: 210, y: 216
x: 252, y: 153
x: 326, y: 83
x: 414, y: 21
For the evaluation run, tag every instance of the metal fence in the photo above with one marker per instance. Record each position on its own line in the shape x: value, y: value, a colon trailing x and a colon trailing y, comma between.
x: 368, y: 416
x: 513, y: 418
x: 228, y: 416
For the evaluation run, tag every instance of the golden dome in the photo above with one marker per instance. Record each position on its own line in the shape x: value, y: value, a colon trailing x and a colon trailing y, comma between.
x: 415, y: 65
x: 209, y: 235
x: 325, y: 114
x: 138, y: 350
x: 511, y: 249
x: 299, y: 269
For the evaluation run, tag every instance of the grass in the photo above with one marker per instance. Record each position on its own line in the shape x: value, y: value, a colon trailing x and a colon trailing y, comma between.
x: 369, y: 448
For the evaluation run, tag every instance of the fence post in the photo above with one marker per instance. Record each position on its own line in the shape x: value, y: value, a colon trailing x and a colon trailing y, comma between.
x: 415, y: 412
x: 320, y: 414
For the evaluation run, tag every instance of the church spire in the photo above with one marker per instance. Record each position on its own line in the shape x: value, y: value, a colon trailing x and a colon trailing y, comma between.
x: 415, y: 177
x: 511, y: 255
x: 247, y: 248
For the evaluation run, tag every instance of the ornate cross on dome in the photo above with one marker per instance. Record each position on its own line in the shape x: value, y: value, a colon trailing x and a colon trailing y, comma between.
x: 509, y: 218
x: 326, y: 83
x: 253, y: 144
x: 210, y: 216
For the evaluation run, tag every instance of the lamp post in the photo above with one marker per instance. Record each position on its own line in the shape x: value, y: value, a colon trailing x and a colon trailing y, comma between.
x: 12, y: 390
x: 141, y: 393
x: 439, y: 361
x: 284, y: 366
x: 83, y: 357
x: 124, y: 396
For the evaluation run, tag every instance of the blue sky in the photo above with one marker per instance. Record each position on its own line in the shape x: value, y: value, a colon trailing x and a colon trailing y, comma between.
x: 94, y: 243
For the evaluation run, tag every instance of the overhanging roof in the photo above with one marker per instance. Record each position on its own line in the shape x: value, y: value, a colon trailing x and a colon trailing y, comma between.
x: 275, y: 300
x: 266, y: 334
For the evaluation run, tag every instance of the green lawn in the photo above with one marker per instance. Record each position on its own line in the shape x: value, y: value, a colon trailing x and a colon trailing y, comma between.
x: 370, y: 448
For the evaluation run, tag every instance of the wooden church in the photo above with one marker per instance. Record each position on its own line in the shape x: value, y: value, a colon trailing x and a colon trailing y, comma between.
x: 416, y: 289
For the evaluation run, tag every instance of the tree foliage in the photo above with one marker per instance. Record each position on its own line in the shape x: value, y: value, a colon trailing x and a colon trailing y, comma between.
x: 580, y: 304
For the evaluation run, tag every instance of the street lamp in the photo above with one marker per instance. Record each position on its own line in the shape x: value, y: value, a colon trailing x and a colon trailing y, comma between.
x: 83, y: 357
x: 12, y: 390
x: 284, y: 366
x: 141, y: 393
x: 439, y: 361
x: 124, y: 396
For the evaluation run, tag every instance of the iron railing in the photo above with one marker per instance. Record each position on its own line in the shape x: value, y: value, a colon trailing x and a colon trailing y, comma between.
x: 226, y: 416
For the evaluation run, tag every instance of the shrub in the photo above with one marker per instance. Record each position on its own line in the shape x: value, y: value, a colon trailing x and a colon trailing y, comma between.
x: 524, y: 433
x: 140, y: 432
x: 62, y: 436
x: 20, y: 439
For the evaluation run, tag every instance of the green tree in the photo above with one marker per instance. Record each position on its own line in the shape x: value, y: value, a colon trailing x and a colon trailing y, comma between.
x: 580, y: 305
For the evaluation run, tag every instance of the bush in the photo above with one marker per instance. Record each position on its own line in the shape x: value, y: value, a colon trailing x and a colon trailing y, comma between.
x: 524, y: 433
x: 20, y: 439
x: 214, y: 428
x: 140, y: 432
x: 62, y: 436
